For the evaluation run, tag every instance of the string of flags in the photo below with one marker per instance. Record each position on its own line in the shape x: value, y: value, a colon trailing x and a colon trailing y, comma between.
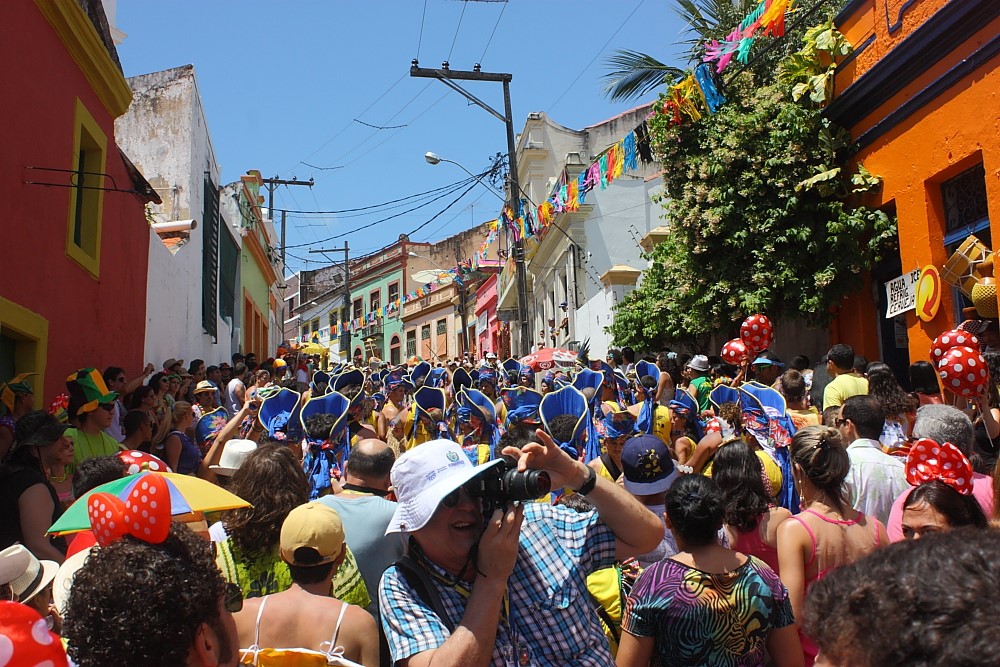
x: 767, y: 19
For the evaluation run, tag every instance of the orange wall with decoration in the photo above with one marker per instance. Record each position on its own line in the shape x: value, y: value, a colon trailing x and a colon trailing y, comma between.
x: 921, y: 99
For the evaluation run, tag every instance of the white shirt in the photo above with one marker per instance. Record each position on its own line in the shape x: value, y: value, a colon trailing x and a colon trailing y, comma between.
x: 233, y: 402
x: 115, y: 429
x: 875, y: 479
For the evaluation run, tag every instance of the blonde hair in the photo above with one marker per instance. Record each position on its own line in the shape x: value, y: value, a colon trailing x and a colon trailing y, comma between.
x: 181, y: 410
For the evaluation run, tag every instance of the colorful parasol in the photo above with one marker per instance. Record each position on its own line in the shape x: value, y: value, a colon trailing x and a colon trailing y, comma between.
x: 549, y: 357
x: 187, y: 494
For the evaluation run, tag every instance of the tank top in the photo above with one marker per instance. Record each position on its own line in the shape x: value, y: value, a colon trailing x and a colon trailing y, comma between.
x: 752, y: 544
x: 299, y: 657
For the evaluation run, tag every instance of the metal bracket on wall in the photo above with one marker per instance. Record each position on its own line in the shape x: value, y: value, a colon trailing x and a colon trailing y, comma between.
x: 73, y: 184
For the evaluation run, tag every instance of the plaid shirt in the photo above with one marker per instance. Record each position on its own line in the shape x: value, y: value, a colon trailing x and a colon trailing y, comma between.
x: 550, y: 609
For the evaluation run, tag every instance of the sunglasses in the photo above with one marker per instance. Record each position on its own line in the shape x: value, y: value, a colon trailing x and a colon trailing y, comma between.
x: 234, y: 598
x: 106, y: 406
x: 451, y: 500
x: 121, y: 379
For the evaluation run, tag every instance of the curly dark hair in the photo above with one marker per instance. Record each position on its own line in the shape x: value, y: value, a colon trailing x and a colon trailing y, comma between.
x: 738, y: 472
x: 927, y: 597
x: 272, y: 481
x: 142, y: 604
x: 883, y: 387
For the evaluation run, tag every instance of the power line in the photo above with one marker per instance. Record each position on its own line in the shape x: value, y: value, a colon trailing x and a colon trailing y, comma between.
x: 413, y: 99
x: 442, y: 211
x: 321, y: 168
x: 379, y: 127
x: 376, y: 222
x: 412, y: 121
x: 596, y: 56
x: 457, y: 28
x: 420, y: 38
x: 495, y: 25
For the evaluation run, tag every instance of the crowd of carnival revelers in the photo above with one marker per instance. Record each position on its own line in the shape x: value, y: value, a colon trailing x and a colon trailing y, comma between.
x: 635, y: 509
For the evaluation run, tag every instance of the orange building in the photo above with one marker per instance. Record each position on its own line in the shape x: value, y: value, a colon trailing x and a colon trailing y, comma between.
x: 921, y: 98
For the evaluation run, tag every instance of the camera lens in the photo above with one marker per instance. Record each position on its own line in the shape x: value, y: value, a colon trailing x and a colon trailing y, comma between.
x: 526, y: 485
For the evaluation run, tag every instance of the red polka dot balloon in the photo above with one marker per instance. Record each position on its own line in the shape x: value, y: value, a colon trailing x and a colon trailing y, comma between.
x: 136, y: 462
x: 25, y: 638
x: 963, y: 371
x: 950, y: 339
x: 734, y: 352
x: 757, y: 333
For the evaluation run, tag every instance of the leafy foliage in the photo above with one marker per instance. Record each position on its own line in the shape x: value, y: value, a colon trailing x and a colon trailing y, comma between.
x: 633, y: 74
x: 763, y: 214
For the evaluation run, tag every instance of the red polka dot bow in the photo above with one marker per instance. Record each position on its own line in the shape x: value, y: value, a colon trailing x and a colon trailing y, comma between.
x: 928, y: 461
x: 145, y: 514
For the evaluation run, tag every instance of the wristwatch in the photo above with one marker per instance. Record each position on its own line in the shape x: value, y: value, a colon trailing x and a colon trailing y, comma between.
x: 589, y: 483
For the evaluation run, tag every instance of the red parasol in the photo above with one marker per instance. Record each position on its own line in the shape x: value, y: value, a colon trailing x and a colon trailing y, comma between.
x: 549, y: 357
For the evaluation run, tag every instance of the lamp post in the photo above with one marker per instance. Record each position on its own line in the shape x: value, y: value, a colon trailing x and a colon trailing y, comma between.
x: 461, y: 294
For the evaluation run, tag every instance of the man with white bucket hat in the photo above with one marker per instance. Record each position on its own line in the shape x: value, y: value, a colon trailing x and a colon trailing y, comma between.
x: 510, y: 587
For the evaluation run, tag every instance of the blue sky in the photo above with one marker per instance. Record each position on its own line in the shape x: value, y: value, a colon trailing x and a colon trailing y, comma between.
x: 283, y: 82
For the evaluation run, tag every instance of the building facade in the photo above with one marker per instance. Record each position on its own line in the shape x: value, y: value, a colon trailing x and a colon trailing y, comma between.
x: 167, y: 131
x: 72, y: 282
x: 921, y: 98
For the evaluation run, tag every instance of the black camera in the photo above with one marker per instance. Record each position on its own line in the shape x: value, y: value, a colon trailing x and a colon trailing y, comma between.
x: 503, y: 484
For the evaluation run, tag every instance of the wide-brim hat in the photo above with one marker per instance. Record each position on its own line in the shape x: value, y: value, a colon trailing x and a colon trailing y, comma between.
x: 522, y: 404
x: 419, y: 372
x: 587, y: 378
x: 427, y: 398
x: 87, y: 390
x: 320, y: 383
x: 348, y: 379
x: 435, y: 378
x: 479, y: 403
x: 234, y: 453
x: 33, y: 576
x: 62, y: 584
x: 512, y: 368
x: 209, y: 425
x: 423, y: 476
x: 171, y: 362
x: 461, y: 378
x: 565, y: 401
x: 335, y: 404
x: 203, y: 387
x: 645, y: 368
x: 279, y: 414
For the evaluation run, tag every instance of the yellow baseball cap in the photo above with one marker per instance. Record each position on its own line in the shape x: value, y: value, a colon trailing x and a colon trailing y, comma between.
x: 314, y: 526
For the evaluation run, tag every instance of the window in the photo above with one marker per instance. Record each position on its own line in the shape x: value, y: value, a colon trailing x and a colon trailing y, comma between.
x: 24, y: 339
x: 333, y: 318
x: 425, y: 332
x: 965, y: 203
x: 394, y: 356
x: 393, y: 292
x: 442, y: 327
x: 86, y: 200
x: 358, y: 306
x: 411, y: 343
x: 314, y: 325
x: 375, y: 300
x: 210, y: 259
x: 229, y: 268
x: 305, y: 331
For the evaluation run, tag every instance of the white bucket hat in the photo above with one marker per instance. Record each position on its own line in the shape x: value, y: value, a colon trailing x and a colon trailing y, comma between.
x: 26, y: 574
x: 234, y: 453
x: 423, y: 476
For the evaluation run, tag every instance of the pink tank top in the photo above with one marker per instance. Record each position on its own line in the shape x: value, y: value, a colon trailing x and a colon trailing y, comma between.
x: 751, y: 543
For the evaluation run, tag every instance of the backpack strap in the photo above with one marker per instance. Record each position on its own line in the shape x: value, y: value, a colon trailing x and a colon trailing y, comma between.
x: 420, y: 581
x: 610, y: 465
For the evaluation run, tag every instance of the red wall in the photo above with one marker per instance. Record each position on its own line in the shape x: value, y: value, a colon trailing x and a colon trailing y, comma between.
x: 92, y: 322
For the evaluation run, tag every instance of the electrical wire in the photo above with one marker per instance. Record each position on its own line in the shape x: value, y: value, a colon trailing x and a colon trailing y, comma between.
x: 490, y: 40
x: 420, y: 38
x: 596, y: 56
x: 442, y: 211
x: 386, y: 219
x: 413, y: 99
x: 465, y: 3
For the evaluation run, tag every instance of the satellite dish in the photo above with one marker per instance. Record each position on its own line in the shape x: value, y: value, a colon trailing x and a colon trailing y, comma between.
x: 431, y: 276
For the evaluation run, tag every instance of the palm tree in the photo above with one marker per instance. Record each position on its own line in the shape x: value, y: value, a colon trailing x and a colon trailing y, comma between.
x: 633, y: 74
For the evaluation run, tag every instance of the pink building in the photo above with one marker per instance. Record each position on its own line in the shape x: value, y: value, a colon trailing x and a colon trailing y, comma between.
x: 487, y: 325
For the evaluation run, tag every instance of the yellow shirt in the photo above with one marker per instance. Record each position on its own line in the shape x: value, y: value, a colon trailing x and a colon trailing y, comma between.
x: 606, y: 587
x: 842, y: 388
x: 771, y: 470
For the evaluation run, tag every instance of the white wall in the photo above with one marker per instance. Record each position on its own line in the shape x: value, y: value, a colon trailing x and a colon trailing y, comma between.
x: 165, y: 133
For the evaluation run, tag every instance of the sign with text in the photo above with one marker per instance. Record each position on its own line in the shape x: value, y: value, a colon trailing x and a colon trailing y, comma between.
x: 901, y: 294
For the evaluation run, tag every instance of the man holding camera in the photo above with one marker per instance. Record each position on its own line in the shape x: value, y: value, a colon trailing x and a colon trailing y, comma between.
x: 508, y: 588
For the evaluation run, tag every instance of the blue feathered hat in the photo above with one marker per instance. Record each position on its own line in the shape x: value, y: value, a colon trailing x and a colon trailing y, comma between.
x: 522, y: 404
x: 335, y: 404
x: 279, y: 416
x: 479, y: 403
x: 347, y: 379
x: 566, y: 401
x: 619, y: 423
x: 209, y: 425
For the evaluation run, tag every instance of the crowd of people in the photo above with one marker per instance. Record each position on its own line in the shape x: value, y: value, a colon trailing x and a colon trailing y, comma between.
x: 638, y: 509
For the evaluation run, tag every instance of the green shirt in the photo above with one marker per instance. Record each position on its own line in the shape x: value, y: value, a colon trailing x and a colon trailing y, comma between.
x: 86, y: 446
x: 703, y: 390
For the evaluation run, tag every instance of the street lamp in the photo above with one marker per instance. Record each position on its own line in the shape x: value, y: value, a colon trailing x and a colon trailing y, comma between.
x: 434, y: 158
x: 461, y: 288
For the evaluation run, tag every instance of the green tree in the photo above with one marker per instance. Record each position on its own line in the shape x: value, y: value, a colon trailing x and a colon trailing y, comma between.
x: 761, y: 215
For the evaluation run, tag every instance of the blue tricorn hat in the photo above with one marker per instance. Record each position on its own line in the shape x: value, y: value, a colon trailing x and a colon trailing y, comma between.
x: 724, y: 394
x: 427, y: 398
x: 435, y: 378
x: 644, y: 368
x: 487, y: 374
x: 522, y: 404
x: 279, y: 414
x: 209, y: 425
x: 512, y: 367
x: 320, y: 383
x: 335, y: 404
x: 587, y: 378
x: 479, y: 403
x: 768, y: 397
x: 347, y: 379
x: 565, y: 401
x: 684, y: 404
x: 618, y: 423
x: 419, y: 372
x: 392, y: 379
x: 462, y: 379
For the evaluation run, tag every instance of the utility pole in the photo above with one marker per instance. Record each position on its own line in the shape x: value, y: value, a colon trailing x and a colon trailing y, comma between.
x: 448, y: 77
x: 345, y: 337
x: 271, y: 184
